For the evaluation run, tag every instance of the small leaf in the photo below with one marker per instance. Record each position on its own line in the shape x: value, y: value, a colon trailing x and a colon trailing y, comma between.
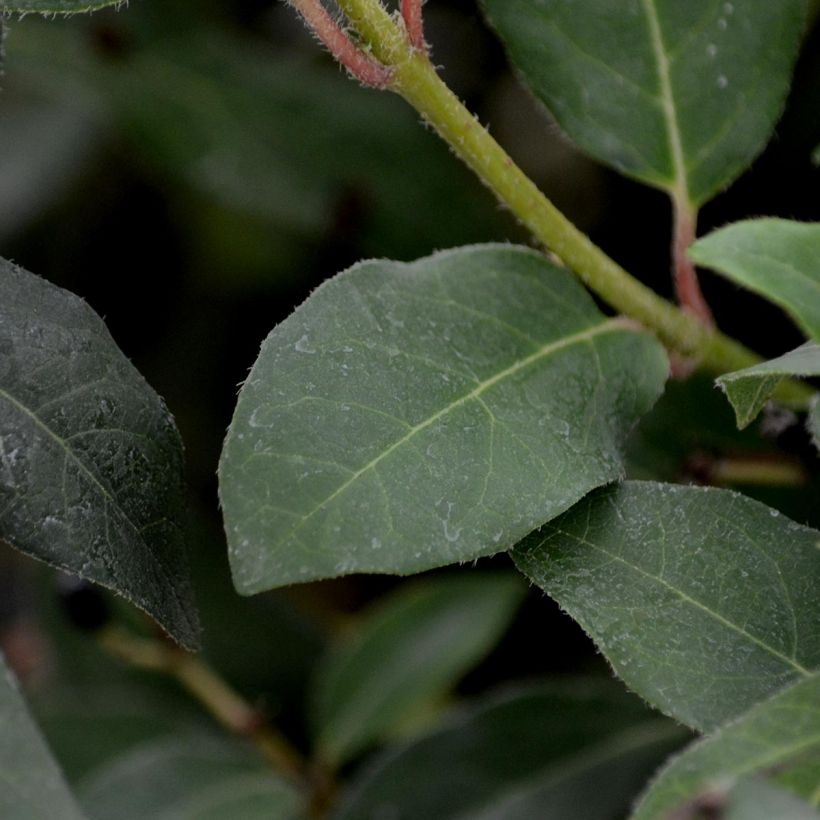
x: 575, y: 752
x: 33, y: 787
x: 409, y: 651
x: 776, y: 258
x: 779, y: 737
x: 682, y: 96
x: 703, y: 600
x: 409, y: 416
x: 90, y: 459
x: 51, y: 7
x: 193, y: 776
x: 749, y: 389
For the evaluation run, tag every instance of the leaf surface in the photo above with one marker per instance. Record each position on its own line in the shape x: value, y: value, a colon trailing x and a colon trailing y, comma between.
x: 679, y: 95
x: 410, y: 650
x: 31, y: 785
x: 749, y: 389
x: 409, y: 416
x: 90, y: 460
x: 759, y: 800
x: 703, y: 600
x: 578, y: 751
x: 777, y: 258
x: 779, y: 737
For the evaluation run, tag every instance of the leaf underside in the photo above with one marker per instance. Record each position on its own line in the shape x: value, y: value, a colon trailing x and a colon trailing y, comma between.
x: 703, y: 600
x: 680, y: 95
x: 90, y: 459
x: 409, y: 416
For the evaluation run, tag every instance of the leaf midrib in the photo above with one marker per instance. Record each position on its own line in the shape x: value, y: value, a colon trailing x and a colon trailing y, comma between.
x: 608, y: 326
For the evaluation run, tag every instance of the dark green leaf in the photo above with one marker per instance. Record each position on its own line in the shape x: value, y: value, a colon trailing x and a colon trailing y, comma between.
x: 779, y: 737
x: 776, y: 258
x: 90, y: 459
x: 193, y: 776
x: 703, y: 600
x: 749, y: 389
x: 409, y: 416
x: 31, y: 785
x: 575, y: 752
x: 758, y: 800
x: 410, y: 650
x: 679, y: 95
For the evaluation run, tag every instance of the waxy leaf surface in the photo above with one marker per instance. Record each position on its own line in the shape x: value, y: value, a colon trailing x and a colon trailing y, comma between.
x: 703, y: 600
x: 409, y: 416
x: 681, y: 95
x: 779, y: 738
x: 410, y: 650
x: 31, y: 785
x: 776, y: 258
x: 90, y: 459
x: 576, y: 752
x: 749, y: 389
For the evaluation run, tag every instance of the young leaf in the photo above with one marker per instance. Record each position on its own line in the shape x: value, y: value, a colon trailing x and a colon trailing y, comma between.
x: 411, y: 650
x: 33, y: 787
x: 193, y: 776
x: 749, y: 389
x: 575, y: 752
x: 409, y: 416
x: 703, y: 600
x: 779, y: 737
x: 90, y: 459
x: 680, y: 95
x: 54, y: 6
x: 776, y: 258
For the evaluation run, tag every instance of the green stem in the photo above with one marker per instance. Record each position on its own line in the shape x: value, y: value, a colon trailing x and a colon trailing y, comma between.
x: 414, y: 77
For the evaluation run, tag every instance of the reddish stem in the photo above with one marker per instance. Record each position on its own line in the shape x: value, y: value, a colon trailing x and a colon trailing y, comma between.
x: 687, y: 287
x: 364, y: 68
x: 413, y: 23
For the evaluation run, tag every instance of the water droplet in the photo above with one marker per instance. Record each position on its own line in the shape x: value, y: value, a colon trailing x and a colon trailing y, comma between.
x: 711, y: 50
x: 722, y: 81
x: 303, y: 345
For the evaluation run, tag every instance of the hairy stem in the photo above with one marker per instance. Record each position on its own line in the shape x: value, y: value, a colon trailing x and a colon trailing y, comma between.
x: 414, y: 78
x: 413, y: 22
x: 687, y: 287
x: 223, y: 702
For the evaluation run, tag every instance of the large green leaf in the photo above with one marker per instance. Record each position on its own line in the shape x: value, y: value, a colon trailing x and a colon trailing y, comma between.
x: 703, y: 600
x: 779, y: 737
x: 410, y: 650
x: 189, y: 777
x: 579, y: 751
x: 749, y: 389
x: 54, y: 6
x: 776, y: 258
x: 409, y: 416
x: 90, y: 459
x: 681, y: 95
x: 31, y: 785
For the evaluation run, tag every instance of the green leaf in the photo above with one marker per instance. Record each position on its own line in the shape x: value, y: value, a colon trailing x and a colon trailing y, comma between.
x: 90, y: 459
x: 576, y: 752
x: 776, y: 258
x: 749, y: 389
x: 410, y: 650
x: 193, y: 776
x: 54, y: 6
x: 409, y: 416
x: 758, y: 800
x: 703, y: 600
x: 779, y: 737
x: 679, y: 95
x: 31, y: 785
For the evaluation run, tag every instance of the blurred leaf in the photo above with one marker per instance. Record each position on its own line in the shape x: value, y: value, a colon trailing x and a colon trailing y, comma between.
x: 90, y: 459
x: 411, y: 416
x: 33, y: 787
x: 749, y: 389
x: 411, y: 649
x: 757, y: 800
x: 578, y: 751
x: 196, y: 777
x: 774, y: 736
x: 777, y: 258
x: 680, y: 95
x: 703, y: 600
x: 54, y: 6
